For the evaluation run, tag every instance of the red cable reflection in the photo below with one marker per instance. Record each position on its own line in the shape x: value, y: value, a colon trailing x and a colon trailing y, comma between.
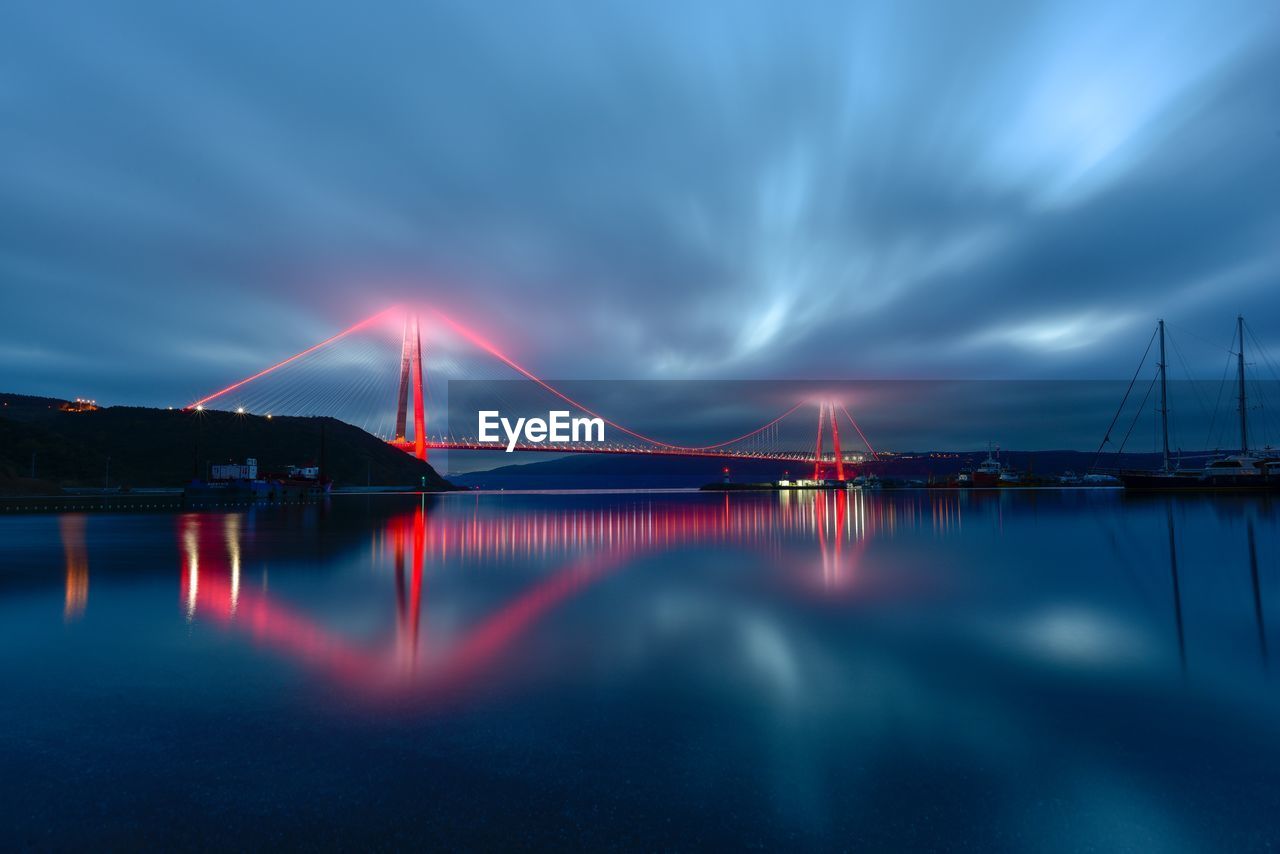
x: 595, y: 542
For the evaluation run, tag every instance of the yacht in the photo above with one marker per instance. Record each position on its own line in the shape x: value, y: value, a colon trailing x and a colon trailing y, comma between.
x: 1246, y: 471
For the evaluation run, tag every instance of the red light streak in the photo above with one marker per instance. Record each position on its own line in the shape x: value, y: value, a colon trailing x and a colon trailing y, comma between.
x: 368, y: 320
x: 874, y: 455
x: 613, y: 538
x: 421, y: 444
x: 492, y: 350
x: 835, y: 442
x: 817, y: 448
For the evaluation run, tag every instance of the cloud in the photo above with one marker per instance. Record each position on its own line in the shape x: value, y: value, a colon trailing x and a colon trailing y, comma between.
x: 886, y: 189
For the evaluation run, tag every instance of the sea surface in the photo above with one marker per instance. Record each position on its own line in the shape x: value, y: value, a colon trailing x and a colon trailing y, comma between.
x: 986, y: 671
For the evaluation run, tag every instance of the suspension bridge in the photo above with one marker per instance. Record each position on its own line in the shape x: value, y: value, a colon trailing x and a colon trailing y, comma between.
x: 388, y: 375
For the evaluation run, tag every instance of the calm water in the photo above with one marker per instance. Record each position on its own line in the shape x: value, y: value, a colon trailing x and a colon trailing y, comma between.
x: 986, y: 671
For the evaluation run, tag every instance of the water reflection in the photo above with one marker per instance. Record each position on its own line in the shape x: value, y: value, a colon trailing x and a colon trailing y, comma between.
x: 1257, y: 596
x: 565, y: 551
x: 572, y: 548
x: 586, y: 545
x: 76, y: 561
x: 813, y: 661
x: 1177, y: 591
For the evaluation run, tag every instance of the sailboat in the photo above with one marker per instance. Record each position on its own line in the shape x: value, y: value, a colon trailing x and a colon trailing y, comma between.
x: 1242, y: 472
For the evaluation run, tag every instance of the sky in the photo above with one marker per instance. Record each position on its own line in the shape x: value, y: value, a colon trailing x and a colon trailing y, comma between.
x: 662, y: 190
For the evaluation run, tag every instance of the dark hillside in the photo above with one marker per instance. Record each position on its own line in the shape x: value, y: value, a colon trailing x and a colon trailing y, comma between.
x: 159, y: 447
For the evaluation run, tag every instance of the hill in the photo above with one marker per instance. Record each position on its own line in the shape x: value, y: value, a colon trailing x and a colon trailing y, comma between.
x: 162, y: 447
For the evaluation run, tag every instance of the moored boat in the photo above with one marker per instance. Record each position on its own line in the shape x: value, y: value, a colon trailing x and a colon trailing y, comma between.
x: 234, y: 482
x: 1233, y: 473
x: 989, y: 473
x: 1245, y: 471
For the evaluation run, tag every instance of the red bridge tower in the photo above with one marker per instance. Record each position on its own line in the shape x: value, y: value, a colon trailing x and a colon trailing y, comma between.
x: 823, y: 408
x: 411, y: 365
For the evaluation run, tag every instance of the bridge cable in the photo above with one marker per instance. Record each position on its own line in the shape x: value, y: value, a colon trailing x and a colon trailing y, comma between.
x: 874, y: 455
x: 492, y: 350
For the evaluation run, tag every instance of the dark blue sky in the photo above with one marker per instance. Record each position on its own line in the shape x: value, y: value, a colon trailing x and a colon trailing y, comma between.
x: 651, y: 190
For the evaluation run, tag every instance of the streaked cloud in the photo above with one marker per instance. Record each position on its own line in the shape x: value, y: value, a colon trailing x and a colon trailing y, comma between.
x: 878, y: 189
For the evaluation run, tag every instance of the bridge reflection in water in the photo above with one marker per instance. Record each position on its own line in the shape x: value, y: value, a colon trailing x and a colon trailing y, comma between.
x: 571, y: 549
x: 787, y: 670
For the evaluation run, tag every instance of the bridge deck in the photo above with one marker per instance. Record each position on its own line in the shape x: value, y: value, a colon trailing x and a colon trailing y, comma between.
x: 464, y: 444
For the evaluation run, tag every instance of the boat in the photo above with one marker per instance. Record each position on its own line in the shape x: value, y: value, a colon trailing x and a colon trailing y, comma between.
x: 866, y: 481
x: 234, y: 482
x: 989, y: 473
x: 231, y: 489
x: 229, y: 482
x: 1245, y: 471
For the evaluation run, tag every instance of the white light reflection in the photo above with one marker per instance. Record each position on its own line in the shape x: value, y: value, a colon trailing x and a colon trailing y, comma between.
x: 232, y: 532
x: 191, y: 550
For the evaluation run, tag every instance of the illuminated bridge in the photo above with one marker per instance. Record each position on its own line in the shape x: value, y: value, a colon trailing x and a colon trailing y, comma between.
x: 312, y: 382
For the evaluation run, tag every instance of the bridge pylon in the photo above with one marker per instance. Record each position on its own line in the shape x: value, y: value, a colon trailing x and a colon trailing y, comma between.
x: 411, y: 370
x: 825, y: 407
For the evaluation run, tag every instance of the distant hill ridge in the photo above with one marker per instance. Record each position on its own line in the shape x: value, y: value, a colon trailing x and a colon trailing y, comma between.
x: 641, y: 471
x: 163, y: 447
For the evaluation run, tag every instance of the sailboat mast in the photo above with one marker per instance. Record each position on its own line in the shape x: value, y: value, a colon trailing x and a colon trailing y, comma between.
x: 1164, y: 400
x: 1244, y: 431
